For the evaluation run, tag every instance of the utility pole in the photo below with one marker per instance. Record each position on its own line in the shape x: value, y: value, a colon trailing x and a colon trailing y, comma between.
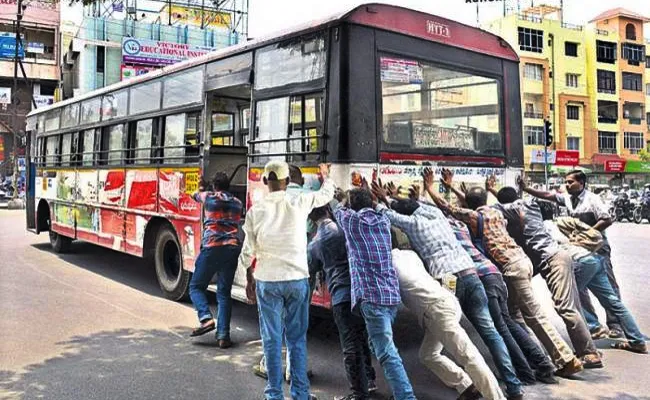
x: 14, y: 95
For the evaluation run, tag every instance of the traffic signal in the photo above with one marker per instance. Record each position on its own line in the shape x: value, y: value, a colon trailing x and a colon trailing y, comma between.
x: 548, y: 133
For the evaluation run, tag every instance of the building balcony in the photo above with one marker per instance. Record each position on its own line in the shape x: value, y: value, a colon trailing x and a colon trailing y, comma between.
x: 572, y: 26
x: 634, y: 121
x: 533, y: 86
x: 607, y: 120
x: 607, y: 151
x: 533, y: 115
x: 529, y: 18
x: 606, y: 91
x: 602, y: 32
x: 43, y: 69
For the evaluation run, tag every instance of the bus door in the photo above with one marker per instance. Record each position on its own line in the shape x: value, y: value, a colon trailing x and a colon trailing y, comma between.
x: 30, y: 171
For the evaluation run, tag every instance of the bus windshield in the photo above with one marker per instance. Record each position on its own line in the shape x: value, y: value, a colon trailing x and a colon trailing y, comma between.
x: 430, y: 109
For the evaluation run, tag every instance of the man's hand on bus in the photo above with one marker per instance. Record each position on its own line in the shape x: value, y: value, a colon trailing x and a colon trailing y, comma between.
x: 491, y: 184
x: 379, y: 192
x: 414, y: 192
x: 341, y: 196
x: 447, y: 178
x: 521, y: 181
x: 427, y: 178
x: 324, y: 170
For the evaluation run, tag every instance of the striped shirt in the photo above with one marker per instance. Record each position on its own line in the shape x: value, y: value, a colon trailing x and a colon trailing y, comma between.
x: 367, y: 238
x: 222, y: 215
x: 482, y: 264
x: 432, y: 238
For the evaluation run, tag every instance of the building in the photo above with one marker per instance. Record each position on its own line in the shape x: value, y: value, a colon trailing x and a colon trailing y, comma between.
x: 39, y: 55
x: 588, y: 81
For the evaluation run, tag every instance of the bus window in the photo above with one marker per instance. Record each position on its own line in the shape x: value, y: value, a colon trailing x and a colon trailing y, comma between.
x: 306, y: 117
x: 70, y: 116
x: 431, y: 109
x: 66, y: 149
x: 245, y: 118
x: 52, y: 151
x: 181, y: 138
x: 272, y: 119
x: 88, y: 150
x: 114, y: 144
x: 114, y: 105
x: 302, y: 60
x: 183, y: 88
x: 52, y: 120
x: 143, y: 134
x: 222, y: 129
x: 145, y: 97
x: 90, y: 111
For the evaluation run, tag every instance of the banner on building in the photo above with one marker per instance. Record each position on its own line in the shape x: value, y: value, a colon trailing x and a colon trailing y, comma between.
x: 42, y: 101
x: 640, y: 167
x: 5, y: 95
x: 131, y: 71
x: 157, y: 53
x: 615, y: 165
x: 192, y: 16
x: 537, y: 156
x: 567, y: 158
x: 8, y: 46
x: 35, y: 48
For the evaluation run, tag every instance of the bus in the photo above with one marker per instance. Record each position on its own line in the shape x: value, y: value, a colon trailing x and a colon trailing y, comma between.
x: 377, y: 91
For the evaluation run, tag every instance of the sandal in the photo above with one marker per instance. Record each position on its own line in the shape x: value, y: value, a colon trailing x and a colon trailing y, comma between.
x: 203, y: 329
x: 640, y: 348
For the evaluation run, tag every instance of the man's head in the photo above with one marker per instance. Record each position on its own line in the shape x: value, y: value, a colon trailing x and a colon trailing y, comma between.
x: 276, y: 175
x: 547, y: 209
x: 575, y: 182
x: 295, y: 175
x: 220, y: 182
x: 319, y: 213
x: 405, y: 206
x: 476, y: 197
x: 507, y: 195
x: 360, y: 199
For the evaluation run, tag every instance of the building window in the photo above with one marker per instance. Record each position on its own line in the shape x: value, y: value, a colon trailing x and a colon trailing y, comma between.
x: 533, y: 71
x: 572, y: 80
x: 571, y: 49
x: 101, y: 58
x: 630, y: 32
x: 607, y: 112
x: 647, y: 119
x: 633, y: 53
x: 531, y: 40
x: 607, y: 142
x: 605, y: 52
x: 647, y: 61
x: 647, y: 89
x: 606, y: 81
x: 633, y: 141
x: 572, y: 112
x: 632, y: 81
x: 534, y: 135
x: 573, y: 143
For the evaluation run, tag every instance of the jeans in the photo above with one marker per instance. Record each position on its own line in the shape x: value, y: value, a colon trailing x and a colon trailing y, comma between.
x: 379, y: 322
x: 221, y: 260
x: 585, y: 300
x: 557, y: 271
x: 474, y: 303
x: 591, y: 274
x: 354, y: 344
x: 280, y: 305
x: 441, y: 323
x: 525, y: 353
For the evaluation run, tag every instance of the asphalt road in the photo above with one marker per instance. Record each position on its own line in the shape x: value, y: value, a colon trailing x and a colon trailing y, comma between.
x: 92, y: 325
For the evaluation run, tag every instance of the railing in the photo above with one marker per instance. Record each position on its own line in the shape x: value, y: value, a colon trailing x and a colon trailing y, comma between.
x: 530, y: 18
x: 572, y: 26
x: 634, y: 121
x: 608, y: 91
x: 606, y: 120
x: 602, y: 32
x: 533, y: 115
x: 607, y: 151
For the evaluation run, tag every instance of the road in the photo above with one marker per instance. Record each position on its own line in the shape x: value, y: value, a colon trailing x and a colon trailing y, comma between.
x: 92, y: 325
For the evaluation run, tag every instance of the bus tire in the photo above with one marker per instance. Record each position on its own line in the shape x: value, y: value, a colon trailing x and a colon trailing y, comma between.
x: 59, y: 243
x: 174, y: 281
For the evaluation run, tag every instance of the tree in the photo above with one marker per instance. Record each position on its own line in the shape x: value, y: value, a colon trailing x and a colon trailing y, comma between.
x: 644, y: 154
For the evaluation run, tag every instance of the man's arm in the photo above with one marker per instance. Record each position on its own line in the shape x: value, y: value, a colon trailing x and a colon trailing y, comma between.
x: 540, y: 194
x: 403, y: 222
x: 602, y: 213
x: 462, y: 214
x: 322, y: 196
x: 248, y: 250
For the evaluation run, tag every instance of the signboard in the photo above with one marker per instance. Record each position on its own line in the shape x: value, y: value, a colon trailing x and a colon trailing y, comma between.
x: 21, y: 164
x: 434, y: 136
x: 537, y: 156
x: 158, y: 53
x: 131, y: 71
x: 567, y: 158
x: 642, y: 167
x: 614, y: 165
x: 8, y: 46
x: 43, y: 101
x: 35, y: 48
x: 5, y: 95
x: 192, y: 16
x: 402, y: 71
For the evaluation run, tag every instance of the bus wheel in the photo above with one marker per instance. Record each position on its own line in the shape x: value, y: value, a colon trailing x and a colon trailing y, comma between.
x: 60, y: 243
x: 172, y: 278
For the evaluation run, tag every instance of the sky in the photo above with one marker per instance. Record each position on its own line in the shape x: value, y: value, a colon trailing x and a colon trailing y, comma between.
x: 267, y: 16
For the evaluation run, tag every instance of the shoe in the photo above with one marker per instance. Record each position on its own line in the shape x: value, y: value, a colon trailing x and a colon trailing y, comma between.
x: 598, y: 333
x: 640, y: 348
x: 260, y: 371
x: 351, y: 396
x: 615, y: 333
x: 471, y: 393
x: 224, y: 343
x: 312, y: 397
x: 546, y: 377
x: 372, y: 386
x: 204, y: 328
x: 571, y: 368
x: 592, y: 361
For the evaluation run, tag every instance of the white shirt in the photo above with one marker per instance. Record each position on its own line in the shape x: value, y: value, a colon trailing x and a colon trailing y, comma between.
x: 276, y: 234
x: 418, y: 289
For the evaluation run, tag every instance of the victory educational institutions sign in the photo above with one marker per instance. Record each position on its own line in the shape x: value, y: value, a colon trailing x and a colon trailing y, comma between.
x: 158, y: 53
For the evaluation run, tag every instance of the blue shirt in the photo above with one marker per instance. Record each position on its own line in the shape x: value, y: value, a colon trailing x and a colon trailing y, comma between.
x: 367, y: 238
x: 327, y: 252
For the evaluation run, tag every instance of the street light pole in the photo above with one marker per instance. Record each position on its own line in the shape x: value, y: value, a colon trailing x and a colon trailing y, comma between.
x: 14, y: 95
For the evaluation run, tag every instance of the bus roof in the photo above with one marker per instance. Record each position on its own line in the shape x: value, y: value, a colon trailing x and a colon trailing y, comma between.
x: 382, y: 16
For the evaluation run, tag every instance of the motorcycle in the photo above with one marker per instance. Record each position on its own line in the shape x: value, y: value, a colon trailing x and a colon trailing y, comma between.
x: 642, y: 210
x: 623, y: 208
